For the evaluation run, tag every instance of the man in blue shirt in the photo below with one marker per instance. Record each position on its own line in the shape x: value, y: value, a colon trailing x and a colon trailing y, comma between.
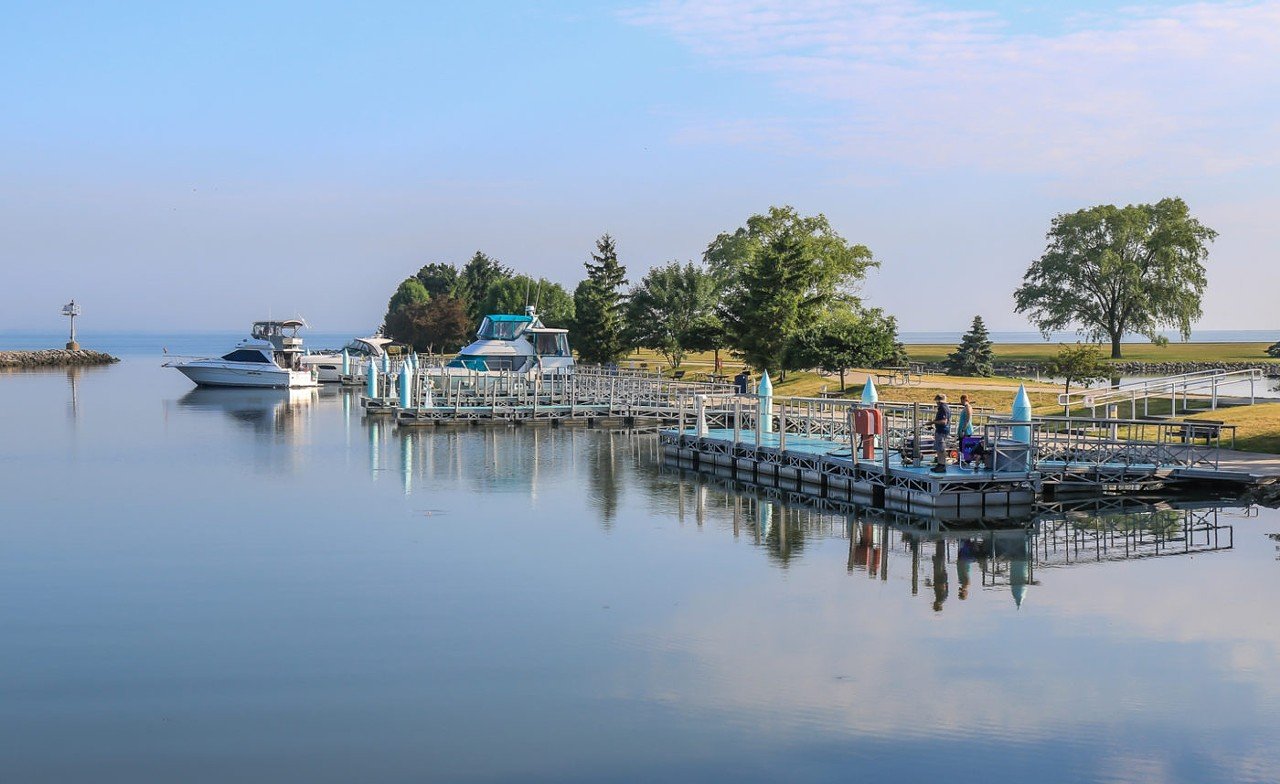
x: 941, y: 429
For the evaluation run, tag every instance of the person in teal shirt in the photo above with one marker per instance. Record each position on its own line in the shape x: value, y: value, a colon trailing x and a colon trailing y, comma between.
x: 966, y: 417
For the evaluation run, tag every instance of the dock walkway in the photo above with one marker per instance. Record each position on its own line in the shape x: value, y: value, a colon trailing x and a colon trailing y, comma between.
x: 807, y: 443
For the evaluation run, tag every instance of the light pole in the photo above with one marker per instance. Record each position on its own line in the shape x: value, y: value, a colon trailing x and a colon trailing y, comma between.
x: 72, y: 309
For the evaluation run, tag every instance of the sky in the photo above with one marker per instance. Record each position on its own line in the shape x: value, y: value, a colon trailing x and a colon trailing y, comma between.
x: 181, y: 166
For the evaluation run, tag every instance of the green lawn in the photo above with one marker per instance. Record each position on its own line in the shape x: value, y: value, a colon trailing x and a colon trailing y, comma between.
x: 1137, y: 352
x: 1257, y: 426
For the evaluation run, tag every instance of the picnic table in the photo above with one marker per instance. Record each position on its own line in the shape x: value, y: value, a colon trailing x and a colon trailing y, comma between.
x: 901, y: 375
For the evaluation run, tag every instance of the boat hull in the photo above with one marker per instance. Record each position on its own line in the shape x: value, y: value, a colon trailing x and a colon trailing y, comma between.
x: 222, y: 375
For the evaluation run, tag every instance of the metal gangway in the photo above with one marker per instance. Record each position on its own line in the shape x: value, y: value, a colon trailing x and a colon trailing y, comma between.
x: 1201, y: 384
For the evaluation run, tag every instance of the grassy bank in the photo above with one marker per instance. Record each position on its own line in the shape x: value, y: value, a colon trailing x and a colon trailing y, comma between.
x: 1257, y: 426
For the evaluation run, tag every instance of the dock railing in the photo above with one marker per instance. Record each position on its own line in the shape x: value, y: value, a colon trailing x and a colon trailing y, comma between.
x: 1113, y: 442
x: 1201, y: 384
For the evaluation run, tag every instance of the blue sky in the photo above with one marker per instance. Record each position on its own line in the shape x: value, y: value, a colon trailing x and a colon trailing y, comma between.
x: 198, y: 167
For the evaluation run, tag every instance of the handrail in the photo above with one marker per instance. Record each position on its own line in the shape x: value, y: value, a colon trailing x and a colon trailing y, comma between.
x: 1185, y: 383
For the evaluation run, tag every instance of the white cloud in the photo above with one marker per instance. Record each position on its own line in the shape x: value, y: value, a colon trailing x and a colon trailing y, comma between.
x: 1142, y: 89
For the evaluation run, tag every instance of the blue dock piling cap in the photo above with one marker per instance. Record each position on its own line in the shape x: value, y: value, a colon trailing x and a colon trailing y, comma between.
x: 1022, y: 404
x: 766, y: 386
x: 869, y: 394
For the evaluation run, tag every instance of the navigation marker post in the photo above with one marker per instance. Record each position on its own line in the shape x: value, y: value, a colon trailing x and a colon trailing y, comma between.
x: 72, y: 309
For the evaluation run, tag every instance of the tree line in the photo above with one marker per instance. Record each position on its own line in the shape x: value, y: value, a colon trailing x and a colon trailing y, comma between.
x: 780, y: 292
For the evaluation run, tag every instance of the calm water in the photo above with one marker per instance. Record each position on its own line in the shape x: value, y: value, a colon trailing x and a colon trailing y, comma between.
x: 256, y: 586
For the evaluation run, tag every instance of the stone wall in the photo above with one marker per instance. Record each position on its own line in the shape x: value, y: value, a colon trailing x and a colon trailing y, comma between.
x: 53, y: 357
x: 1123, y: 368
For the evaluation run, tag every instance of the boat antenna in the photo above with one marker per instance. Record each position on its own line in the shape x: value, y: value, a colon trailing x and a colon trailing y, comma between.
x: 526, y: 292
x: 537, y: 297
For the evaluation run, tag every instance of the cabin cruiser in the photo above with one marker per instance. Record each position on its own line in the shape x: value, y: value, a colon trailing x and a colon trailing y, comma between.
x: 519, y: 343
x: 269, y: 357
x: 328, y: 364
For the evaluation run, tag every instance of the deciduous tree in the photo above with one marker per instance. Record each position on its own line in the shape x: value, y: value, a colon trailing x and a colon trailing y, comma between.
x: 439, y: 278
x: 554, y: 304
x: 1080, y: 364
x: 845, y: 337
x: 782, y: 270
x: 1111, y: 271
x: 666, y: 306
x: 440, y: 325
x: 409, y: 292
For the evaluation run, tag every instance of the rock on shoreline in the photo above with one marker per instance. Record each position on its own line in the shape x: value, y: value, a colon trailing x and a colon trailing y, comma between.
x: 54, y: 357
x: 1128, y: 368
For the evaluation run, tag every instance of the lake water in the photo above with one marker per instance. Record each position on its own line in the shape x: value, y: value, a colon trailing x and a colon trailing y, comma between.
x: 212, y: 586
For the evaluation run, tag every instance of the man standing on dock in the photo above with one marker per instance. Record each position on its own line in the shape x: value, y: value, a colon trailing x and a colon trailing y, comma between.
x: 941, y: 429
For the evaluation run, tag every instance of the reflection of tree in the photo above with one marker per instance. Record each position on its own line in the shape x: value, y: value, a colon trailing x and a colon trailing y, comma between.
x: 605, y: 475
x: 784, y: 539
x: 1160, y: 523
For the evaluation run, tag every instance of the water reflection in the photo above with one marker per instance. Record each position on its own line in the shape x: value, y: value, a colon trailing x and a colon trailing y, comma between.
x: 279, y: 413
x: 947, y: 559
x: 1004, y: 555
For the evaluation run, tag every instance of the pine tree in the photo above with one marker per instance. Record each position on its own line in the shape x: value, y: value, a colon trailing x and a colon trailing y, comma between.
x: 974, y: 356
x: 599, y: 326
x: 479, y: 275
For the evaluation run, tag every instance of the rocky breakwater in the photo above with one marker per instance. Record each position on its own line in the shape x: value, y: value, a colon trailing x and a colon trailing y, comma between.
x: 1125, y: 368
x: 54, y: 357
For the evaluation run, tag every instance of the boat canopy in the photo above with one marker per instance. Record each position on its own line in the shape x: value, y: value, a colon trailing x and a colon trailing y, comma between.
x: 274, y: 329
x: 503, y: 326
x: 548, y: 342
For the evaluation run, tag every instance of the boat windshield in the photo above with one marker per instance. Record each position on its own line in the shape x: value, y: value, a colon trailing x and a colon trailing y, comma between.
x: 245, y: 355
x: 358, y: 347
x: 503, y: 327
x: 551, y: 344
x: 486, y: 363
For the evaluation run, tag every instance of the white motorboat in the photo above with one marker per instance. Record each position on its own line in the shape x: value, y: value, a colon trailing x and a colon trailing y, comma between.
x: 269, y: 357
x: 519, y: 343
x: 328, y: 364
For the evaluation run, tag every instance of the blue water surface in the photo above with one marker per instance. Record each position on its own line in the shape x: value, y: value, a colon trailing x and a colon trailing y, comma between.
x: 259, y: 586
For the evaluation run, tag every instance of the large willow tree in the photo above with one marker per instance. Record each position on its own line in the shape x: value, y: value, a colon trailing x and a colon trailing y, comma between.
x: 1110, y: 271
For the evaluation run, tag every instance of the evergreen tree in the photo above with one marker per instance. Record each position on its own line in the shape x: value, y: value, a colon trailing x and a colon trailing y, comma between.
x: 599, y: 326
x: 974, y: 356
x: 1274, y: 349
x: 477, y: 277
x: 764, y: 310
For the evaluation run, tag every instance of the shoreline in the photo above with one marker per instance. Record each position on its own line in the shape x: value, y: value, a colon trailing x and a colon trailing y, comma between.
x: 54, y: 357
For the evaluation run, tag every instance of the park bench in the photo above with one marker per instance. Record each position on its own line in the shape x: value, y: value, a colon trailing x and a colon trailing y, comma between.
x: 1208, y: 429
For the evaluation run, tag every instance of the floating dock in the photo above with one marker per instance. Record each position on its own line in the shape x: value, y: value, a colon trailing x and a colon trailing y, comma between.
x: 822, y: 447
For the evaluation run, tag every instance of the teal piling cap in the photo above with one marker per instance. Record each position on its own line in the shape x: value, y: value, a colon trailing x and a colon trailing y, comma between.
x: 1022, y: 404
x: 869, y: 394
x: 766, y: 386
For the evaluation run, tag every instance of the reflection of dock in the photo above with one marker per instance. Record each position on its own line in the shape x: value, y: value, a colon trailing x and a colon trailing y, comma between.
x: 1006, y: 553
